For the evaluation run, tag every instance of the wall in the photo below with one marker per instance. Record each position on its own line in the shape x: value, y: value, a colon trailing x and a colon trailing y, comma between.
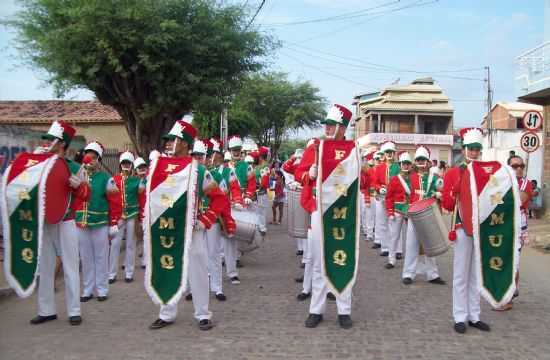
x: 546, y: 172
x: 501, y: 118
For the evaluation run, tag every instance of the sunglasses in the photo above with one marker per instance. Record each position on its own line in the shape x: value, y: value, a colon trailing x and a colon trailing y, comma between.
x: 516, y: 166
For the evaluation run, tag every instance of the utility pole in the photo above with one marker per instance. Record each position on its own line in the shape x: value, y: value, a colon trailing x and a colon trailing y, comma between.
x: 223, y: 128
x: 489, y: 107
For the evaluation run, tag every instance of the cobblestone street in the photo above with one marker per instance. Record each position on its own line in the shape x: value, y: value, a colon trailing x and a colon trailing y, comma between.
x: 263, y: 320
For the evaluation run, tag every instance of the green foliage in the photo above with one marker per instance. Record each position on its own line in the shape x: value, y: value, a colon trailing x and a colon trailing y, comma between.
x: 288, y: 146
x: 152, y: 60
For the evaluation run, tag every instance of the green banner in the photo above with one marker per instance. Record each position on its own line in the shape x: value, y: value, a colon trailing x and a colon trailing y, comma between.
x: 340, y: 228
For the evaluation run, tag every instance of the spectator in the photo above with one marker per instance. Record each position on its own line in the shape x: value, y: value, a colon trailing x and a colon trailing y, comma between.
x: 536, y: 202
x: 279, y: 198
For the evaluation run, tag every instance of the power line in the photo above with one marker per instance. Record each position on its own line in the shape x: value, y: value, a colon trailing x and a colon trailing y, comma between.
x: 256, y: 14
x: 343, y: 16
x: 373, y: 66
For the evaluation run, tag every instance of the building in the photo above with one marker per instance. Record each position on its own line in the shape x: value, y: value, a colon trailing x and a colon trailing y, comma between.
x: 91, y: 119
x: 415, y: 114
x: 509, y: 115
x: 533, y: 86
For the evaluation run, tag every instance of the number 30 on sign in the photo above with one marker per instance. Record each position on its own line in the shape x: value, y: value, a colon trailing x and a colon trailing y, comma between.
x: 530, y: 141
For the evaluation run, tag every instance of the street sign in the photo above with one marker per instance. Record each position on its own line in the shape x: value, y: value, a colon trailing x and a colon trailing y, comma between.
x: 532, y: 120
x: 530, y: 141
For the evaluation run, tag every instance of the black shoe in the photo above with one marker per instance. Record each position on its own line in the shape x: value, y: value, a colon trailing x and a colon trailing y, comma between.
x: 460, y: 327
x: 205, y: 324
x: 407, y: 281
x: 123, y: 267
x: 189, y: 297
x: 480, y: 325
x: 112, y: 281
x: 143, y: 267
x: 128, y: 280
x: 299, y: 252
x: 399, y: 256
x: 376, y: 246
x: 235, y: 280
x: 384, y: 253
x: 345, y: 321
x: 102, y: 298
x: 313, y: 320
x: 42, y: 319
x: 516, y: 294
x: 438, y: 281
x: 239, y: 264
x: 331, y: 297
x: 299, y: 280
x: 221, y: 297
x: 75, y: 320
x: 302, y: 266
x: 302, y: 296
x: 159, y: 324
x: 86, y: 298
x: 389, y: 266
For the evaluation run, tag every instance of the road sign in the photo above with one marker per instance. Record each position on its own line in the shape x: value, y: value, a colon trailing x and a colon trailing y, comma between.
x: 532, y: 120
x: 530, y: 141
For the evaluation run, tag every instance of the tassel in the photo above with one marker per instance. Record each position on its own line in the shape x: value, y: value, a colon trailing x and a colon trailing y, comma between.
x: 452, y: 235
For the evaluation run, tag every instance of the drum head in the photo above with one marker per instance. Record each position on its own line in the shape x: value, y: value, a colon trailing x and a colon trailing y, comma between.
x: 57, y: 192
x: 421, y: 205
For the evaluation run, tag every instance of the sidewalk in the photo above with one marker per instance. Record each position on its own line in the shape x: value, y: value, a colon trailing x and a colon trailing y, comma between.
x: 539, y: 234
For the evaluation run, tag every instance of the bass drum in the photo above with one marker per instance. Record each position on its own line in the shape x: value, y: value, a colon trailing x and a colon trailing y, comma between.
x: 247, y: 232
x: 429, y: 226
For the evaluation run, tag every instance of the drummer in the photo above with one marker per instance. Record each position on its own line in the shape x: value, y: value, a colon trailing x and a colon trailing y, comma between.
x: 262, y: 173
x: 383, y: 173
x: 288, y: 168
x: 397, y: 206
x: 423, y: 186
x: 375, y: 199
x: 140, y: 167
x: 60, y: 238
x: 466, y: 293
x: 366, y: 165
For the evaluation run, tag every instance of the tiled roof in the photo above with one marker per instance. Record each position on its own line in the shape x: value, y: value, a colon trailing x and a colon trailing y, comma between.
x: 45, y: 111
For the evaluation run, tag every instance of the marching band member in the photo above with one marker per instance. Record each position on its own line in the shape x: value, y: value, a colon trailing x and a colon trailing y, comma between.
x: 371, y: 193
x: 96, y: 221
x: 141, y: 168
x: 289, y: 167
x: 179, y: 143
x: 307, y: 172
x: 383, y: 173
x: 466, y: 293
x: 423, y: 186
x: 60, y: 238
x: 397, y: 205
x: 130, y: 187
x: 262, y: 185
x: 365, y: 190
x: 375, y: 199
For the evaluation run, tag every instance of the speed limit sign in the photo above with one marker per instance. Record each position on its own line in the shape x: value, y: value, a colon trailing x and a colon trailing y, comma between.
x: 532, y: 120
x: 530, y: 141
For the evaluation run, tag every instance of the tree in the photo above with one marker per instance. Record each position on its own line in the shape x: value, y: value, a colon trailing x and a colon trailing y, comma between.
x: 270, y: 106
x: 151, y: 60
x: 288, y: 147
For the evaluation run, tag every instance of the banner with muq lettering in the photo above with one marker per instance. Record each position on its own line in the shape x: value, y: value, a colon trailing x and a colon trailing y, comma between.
x: 496, y: 229
x: 170, y: 213
x: 338, y: 203
x: 23, y: 211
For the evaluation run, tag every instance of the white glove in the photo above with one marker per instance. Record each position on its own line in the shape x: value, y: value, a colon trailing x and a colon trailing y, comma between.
x: 313, y: 172
x: 40, y: 150
x: 113, y: 230
x: 74, y: 181
x: 238, y: 206
x: 383, y: 191
x: 367, y: 205
x: 199, y: 226
x: 391, y: 217
x: 438, y: 195
x: 247, y: 201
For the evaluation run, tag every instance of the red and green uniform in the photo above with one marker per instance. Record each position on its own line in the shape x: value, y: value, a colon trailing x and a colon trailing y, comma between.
x: 129, y: 188
x: 383, y: 173
x: 103, y: 207
x: 246, y: 178
x: 82, y: 193
x: 398, y: 195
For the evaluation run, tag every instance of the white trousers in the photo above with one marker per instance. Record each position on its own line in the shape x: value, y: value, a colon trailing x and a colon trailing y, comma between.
x: 371, y: 219
x: 127, y: 227
x: 395, y: 244
x: 94, y: 253
x: 308, y: 269
x: 231, y: 254
x: 197, y: 279
x: 381, y: 229
x: 319, y: 286
x: 300, y: 244
x: 411, y: 266
x: 363, y: 217
x: 214, y: 244
x: 59, y: 239
x: 466, y: 295
x: 261, y: 209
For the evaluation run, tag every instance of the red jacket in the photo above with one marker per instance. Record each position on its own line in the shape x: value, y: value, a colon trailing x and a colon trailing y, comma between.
x: 290, y: 166
x: 396, y: 195
x: 456, y: 193
x: 527, y: 187
x: 381, y: 176
x: 301, y: 174
x: 365, y: 184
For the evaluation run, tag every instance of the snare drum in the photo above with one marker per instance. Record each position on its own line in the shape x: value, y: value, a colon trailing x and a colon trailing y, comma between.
x: 429, y: 226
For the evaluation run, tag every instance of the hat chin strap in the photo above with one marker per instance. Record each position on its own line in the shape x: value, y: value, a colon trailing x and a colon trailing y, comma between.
x: 54, y: 142
x: 333, y: 136
x: 173, y: 151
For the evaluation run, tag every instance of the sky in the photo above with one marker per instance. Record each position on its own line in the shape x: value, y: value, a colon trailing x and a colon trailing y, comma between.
x: 373, y: 44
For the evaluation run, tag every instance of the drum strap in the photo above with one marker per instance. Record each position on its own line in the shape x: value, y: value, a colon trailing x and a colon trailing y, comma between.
x: 404, y: 184
x: 523, y: 184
